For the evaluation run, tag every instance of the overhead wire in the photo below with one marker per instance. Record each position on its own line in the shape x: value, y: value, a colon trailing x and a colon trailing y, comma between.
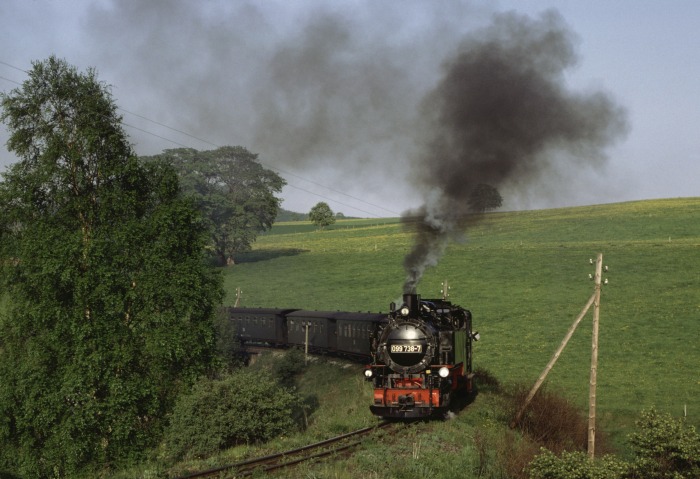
x: 279, y: 170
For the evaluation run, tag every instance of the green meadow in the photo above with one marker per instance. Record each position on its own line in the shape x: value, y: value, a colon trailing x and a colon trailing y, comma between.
x: 525, y: 277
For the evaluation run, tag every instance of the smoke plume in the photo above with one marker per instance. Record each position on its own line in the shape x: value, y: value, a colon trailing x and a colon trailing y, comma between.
x: 502, y: 116
x: 327, y: 90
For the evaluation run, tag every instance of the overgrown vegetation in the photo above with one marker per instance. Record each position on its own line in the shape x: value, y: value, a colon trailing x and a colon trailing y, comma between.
x: 247, y: 406
x: 334, y: 399
x: 664, y: 448
x: 553, y: 421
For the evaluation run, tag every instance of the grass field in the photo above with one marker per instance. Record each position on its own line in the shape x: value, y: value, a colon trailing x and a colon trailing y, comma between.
x: 524, y: 275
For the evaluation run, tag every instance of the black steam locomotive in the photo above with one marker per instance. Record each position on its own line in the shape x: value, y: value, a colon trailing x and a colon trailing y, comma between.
x: 419, y: 355
x: 422, y: 359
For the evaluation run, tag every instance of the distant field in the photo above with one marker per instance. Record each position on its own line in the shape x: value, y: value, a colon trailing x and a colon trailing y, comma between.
x: 524, y: 275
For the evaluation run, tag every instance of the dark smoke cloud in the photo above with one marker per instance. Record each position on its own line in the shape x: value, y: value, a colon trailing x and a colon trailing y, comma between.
x: 329, y: 90
x: 502, y: 116
x: 352, y: 93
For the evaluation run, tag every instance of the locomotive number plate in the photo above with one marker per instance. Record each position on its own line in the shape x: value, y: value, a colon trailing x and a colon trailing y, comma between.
x: 406, y: 348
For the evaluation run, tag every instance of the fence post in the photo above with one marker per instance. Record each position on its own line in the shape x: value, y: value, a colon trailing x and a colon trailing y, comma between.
x: 306, y: 344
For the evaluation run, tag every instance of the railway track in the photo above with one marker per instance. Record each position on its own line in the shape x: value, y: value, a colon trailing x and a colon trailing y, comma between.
x: 328, y: 447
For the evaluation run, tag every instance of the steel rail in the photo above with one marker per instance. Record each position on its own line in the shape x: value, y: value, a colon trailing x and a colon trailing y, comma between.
x: 247, y: 467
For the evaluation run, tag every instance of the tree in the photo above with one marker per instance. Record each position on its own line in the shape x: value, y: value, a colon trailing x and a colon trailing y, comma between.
x: 108, y: 307
x: 234, y: 193
x: 321, y: 215
x: 485, y: 197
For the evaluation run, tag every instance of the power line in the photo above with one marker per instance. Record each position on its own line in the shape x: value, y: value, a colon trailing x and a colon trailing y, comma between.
x: 279, y: 170
x: 12, y: 81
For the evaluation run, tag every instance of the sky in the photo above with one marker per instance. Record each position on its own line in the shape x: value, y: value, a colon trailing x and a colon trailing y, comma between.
x: 338, y: 97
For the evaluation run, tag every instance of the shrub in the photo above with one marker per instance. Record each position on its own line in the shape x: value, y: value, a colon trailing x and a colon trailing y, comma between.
x: 576, y: 465
x: 286, y: 368
x: 665, y: 448
x: 553, y: 421
x: 244, y: 407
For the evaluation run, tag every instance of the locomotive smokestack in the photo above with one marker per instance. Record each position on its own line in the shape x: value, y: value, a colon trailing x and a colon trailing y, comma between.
x: 501, y: 116
x: 412, y: 300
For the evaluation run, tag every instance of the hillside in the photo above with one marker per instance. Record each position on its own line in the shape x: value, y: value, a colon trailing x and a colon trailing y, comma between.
x: 524, y: 275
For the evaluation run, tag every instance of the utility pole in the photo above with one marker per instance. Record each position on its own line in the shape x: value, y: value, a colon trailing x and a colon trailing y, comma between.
x: 593, y: 301
x: 594, y: 358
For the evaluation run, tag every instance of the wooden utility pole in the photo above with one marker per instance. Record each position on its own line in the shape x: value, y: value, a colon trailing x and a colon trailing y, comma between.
x: 551, y: 362
x: 594, y: 358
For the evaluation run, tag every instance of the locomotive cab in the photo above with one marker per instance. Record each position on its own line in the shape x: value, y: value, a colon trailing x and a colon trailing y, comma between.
x: 421, y: 359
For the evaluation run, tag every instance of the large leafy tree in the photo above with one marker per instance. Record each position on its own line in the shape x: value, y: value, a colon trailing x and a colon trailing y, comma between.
x: 233, y: 191
x: 107, y: 305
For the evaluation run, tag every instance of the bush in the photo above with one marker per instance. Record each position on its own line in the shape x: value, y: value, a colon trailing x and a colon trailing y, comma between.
x: 289, y: 366
x: 576, y: 465
x: 553, y: 421
x: 244, y: 407
x: 665, y: 448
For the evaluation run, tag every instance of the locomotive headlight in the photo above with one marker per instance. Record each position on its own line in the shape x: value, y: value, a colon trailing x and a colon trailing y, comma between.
x: 404, y: 311
x: 444, y: 372
x: 368, y: 373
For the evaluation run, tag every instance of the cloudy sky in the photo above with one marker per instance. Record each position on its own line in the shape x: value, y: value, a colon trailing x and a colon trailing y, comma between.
x: 336, y: 96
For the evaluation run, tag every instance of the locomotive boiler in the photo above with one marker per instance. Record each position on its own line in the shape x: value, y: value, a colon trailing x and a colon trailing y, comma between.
x: 421, y: 358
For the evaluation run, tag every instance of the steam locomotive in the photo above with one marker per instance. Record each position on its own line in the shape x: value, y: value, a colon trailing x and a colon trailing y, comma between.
x: 422, y: 359
x: 419, y: 355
